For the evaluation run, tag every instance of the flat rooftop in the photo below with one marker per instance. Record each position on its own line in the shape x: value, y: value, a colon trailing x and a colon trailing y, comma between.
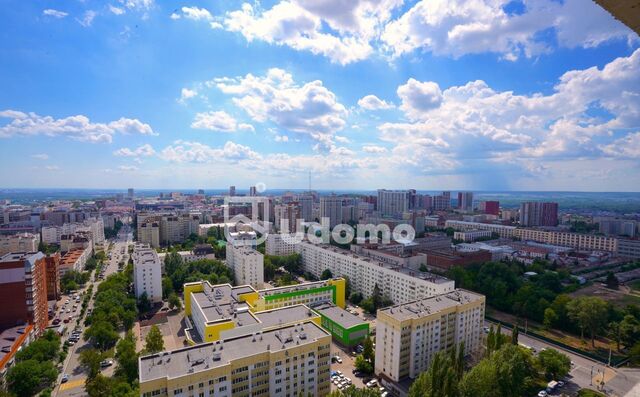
x: 9, y: 337
x: 292, y: 288
x: 223, y: 306
x: 425, y: 307
x: 284, y: 315
x: 339, y: 315
x: 207, y: 356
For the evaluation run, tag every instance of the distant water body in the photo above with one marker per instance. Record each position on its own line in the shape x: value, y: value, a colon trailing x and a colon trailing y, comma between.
x: 623, y: 202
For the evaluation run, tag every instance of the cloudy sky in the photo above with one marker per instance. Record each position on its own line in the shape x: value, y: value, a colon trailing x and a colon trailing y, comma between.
x: 361, y: 94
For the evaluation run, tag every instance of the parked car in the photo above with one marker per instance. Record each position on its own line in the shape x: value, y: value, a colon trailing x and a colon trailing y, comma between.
x: 65, y: 378
x: 106, y: 363
x: 372, y: 383
x: 542, y: 393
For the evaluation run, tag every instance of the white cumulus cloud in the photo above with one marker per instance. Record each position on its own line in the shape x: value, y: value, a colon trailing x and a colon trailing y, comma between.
x: 372, y: 102
x: 77, y: 127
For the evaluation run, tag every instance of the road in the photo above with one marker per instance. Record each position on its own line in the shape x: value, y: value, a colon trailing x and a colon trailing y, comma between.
x: 71, y: 366
x: 586, y: 373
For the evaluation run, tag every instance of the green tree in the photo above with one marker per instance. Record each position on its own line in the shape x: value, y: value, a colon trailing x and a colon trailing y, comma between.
x: 590, y: 313
x: 154, y: 342
x: 46, y: 348
x: 174, y: 301
x: 102, y: 335
x: 629, y: 330
x: 353, y: 391
x: 554, y: 364
x: 550, y: 318
x: 612, y: 281
x: 26, y: 378
x: 514, y: 335
x: 127, y: 358
x: 440, y: 380
x: 144, y: 304
x: 90, y: 359
x: 326, y: 274
x: 480, y: 381
x: 363, y: 365
x: 167, y: 287
x: 367, y: 351
x: 355, y: 298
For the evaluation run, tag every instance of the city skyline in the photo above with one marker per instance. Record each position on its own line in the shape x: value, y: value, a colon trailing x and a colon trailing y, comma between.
x: 482, y: 96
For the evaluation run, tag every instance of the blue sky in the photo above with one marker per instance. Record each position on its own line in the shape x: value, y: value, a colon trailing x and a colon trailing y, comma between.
x: 362, y: 94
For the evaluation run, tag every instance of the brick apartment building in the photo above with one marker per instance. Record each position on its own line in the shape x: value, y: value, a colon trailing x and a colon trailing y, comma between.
x: 23, y: 283
x: 53, y: 276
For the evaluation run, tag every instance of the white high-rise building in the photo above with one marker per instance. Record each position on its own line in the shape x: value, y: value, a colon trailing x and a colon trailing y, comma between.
x: 331, y: 207
x: 147, y: 273
x: 393, y: 202
x: 279, y: 245
x: 247, y: 265
x: 51, y: 234
x: 409, y: 335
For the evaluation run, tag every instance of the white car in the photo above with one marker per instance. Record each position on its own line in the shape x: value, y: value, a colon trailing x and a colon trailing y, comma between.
x: 542, y: 393
x: 372, y: 383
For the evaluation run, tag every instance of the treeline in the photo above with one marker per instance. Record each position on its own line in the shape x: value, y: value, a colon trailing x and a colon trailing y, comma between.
x: 112, y: 233
x: 34, y: 370
x: 114, y: 308
x: 277, y: 267
x: 177, y: 272
x: 544, y: 299
x: 507, y: 370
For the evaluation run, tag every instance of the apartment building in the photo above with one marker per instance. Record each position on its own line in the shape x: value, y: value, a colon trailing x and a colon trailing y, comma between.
x: 393, y: 202
x: 502, y: 230
x: 465, y: 201
x: 533, y: 213
x: 21, y: 242
x: 575, y: 240
x: 279, y: 244
x: 628, y: 248
x: 410, y: 334
x: 23, y: 283
x: 490, y: 207
x: 52, y: 263
x: 149, y: 233
x: 331, y: 207
x: 147, y: 273
x: 285, y: 361
x: 289, y: 214
x: 306, y: 207
x: 51, y: 234
x: 74, y: 259
x: 400, y: 284
x: 247, y: 264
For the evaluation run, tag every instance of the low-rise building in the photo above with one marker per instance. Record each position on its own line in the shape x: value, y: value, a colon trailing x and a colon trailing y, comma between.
x: 409, y: 335
x: 447, y: 258
x: 472, y: 235
x: 12, y: 340
x: 74, y: 259
x: 346, y: 328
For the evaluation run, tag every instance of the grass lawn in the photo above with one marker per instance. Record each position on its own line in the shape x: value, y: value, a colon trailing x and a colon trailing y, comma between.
x: 589, y: 393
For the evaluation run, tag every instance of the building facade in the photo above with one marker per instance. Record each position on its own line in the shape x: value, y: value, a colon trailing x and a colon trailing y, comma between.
x: 331, y: 207
x: 23, y: 283
x: 397, y: 283
x: 409, y: 335
x: 147, y: 273
x: 22, y: 242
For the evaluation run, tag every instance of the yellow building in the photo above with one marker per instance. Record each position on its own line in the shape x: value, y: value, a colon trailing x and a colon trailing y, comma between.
x: 283, y: 361
x: 221, y: 311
